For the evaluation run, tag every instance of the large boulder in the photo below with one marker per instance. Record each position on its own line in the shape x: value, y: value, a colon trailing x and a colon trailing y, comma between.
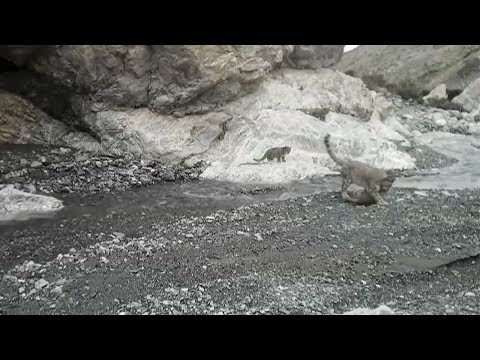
x: 436, y: 96
x: 15, y: 203
x: 469, y: 99
x: 414, y: 70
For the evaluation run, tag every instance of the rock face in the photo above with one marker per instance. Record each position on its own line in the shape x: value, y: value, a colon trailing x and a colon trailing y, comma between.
x: 414, y: 68
x: 165, y: 78
x: 14, y: 202
x: 469, y: 99
x: 22, y: 123
x: 223, y: 105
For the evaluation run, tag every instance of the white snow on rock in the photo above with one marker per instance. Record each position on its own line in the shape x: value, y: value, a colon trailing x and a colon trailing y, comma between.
x: 14, y: 203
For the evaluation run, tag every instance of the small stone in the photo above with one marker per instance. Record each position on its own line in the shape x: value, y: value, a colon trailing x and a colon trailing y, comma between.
x: 457, y: 246
x: 35, y: 164
x: 23, y: 162
x: 189, y: 236
x: 118, y: 235
x: 43, y: 159
x: 438, y: 250
x: 72, y: 250
x: 420, y: 193
x: 40, y: 284
x: 469, y: 294
x: 258, y: 237
x: 57, y: 290
x: 134, y: 305
x: 53, y: 306
x: 21, y: 289
x: 10, y: 278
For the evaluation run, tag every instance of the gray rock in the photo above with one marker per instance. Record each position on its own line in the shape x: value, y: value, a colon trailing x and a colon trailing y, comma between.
x: 35, y: 164
x: 469, y: 99
x: 414, y: 67
x: 10, y: 278
x: 16, y: 201
x: 437, y: 95
x: 118, y: 235
x: 57, y: 290
x: 40, y: 284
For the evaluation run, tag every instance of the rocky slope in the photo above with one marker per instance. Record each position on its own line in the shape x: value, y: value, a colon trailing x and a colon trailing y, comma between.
x: 414, y: 68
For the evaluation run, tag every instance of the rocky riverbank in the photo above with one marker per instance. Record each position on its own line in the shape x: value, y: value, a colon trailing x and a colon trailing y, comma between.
x: 309, y: 255
x: 61, y: 170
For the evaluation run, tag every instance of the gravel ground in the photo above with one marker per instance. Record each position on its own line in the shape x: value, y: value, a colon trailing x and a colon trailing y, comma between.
x: 61, y: 170
x: 309, y: 255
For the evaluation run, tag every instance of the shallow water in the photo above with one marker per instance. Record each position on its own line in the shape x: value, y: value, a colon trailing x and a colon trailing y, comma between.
x: 463, y: 174
x: 197, y: 198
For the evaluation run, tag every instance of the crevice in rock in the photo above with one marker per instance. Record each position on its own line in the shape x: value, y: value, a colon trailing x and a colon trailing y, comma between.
x: 7, y: 66
x: 453, y: 93
x: 49, y: 96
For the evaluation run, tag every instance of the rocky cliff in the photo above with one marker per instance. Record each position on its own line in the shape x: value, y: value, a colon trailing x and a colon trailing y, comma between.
x: 414, y: 69
x: 220, y: 104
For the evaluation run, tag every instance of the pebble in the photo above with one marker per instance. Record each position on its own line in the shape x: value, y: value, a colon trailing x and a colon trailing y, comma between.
x: 35, y: 164
x: 420, y: 193
x: 118, y: 235
x: 40, y: 284
x: 57, y: 290
x: 469, y: 294
x: 134, y: 305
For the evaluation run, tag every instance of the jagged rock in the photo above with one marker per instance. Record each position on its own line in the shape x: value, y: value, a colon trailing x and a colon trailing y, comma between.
x: 469, y: 99
x: 414, y: 69
x: 437, y: 95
